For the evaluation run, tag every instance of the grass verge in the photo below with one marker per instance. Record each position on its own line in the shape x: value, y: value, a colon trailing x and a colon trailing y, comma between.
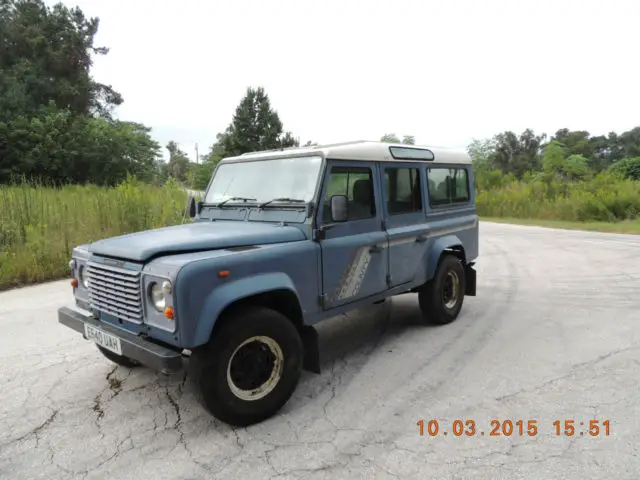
x: 626, y: 226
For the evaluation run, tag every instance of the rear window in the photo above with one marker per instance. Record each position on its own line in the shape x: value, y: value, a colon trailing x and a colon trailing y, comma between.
x: 447, y: 185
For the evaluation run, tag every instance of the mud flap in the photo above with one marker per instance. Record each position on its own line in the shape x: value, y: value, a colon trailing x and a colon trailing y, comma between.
x: 470, y: 277
x: 311, y: 344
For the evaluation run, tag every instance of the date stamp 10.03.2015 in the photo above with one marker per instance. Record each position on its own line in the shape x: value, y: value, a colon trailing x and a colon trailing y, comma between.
x: 509, y: 428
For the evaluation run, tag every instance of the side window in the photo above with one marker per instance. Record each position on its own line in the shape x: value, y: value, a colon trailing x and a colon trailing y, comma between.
x: 447, y: 186
x: 357, y: 184
x: 403, y: 190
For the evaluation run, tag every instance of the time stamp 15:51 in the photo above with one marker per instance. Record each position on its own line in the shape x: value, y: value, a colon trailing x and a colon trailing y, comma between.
x: 509, y: 428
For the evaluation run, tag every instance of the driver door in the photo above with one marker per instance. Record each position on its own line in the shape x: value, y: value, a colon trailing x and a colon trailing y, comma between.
x: 354, y: 252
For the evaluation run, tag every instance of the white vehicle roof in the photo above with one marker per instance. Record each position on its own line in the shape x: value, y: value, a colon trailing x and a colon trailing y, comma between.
x: 367, y: 151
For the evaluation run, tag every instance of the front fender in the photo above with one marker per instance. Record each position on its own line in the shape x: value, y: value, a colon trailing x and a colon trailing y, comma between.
x: 439, y: 246
x: 224, y: 295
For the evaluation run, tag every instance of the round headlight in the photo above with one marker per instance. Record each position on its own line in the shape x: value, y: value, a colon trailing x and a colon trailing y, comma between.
x: 156, y: 295
x: 84, y: 280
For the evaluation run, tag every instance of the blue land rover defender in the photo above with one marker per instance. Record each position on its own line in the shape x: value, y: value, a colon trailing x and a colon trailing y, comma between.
x: 281, y: 241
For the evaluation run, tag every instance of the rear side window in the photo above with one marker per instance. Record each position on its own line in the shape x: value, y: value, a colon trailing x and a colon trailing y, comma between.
x: 403, y: 190
x: 447, y: 186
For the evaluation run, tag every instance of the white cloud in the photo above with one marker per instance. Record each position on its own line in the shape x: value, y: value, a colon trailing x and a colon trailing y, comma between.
x: 444, y: 72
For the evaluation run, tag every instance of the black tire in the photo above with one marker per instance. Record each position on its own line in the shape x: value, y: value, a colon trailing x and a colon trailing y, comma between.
x: 119, y: 359
x: 433, y: 296
x: 214, y: 370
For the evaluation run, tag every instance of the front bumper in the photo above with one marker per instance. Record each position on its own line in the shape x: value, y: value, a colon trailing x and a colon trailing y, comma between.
x: 147, y: 353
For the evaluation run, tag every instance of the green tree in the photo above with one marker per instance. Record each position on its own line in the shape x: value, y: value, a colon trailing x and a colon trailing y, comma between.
x: 61, y: 147
x: 480, y: 152
x: 178, y: 165
x: 45, y: 58
x: 204, y: 171
x: 627, y: 168
x: 255, y: 126
x: 607, y: 150
x: 575, y: 142
x: 576, y: 167
x: 393, y: 138
x: 517, y: 154
x: 55, y: 122
x: 630, y: 141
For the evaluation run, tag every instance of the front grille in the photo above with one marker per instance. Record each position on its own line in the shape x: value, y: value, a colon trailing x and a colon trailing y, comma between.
x: 115, y: 291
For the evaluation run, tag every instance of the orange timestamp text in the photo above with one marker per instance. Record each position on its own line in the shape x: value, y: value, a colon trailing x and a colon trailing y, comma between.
x: 509, y: 428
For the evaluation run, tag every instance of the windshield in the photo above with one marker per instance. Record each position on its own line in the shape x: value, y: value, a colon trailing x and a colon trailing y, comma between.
x: 265, y: 180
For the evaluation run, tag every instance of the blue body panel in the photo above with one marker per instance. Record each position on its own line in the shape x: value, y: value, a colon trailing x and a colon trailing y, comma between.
x: 201, y: 295
x: 265, y: 250
x: 142, y: 246
x: 355, y: 257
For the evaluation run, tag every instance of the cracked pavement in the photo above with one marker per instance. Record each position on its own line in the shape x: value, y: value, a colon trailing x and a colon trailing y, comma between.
x: 554, y: 334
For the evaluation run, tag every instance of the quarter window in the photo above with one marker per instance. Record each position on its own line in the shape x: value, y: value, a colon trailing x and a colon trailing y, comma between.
x: 448, y: 185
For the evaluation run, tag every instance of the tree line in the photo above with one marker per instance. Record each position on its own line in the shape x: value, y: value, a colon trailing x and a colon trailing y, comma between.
x: 570, y: 155
x: 57, y: 125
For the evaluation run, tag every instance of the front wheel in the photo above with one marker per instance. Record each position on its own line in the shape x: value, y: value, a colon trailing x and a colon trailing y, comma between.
x: 250, y: 367
x: 441, y: 298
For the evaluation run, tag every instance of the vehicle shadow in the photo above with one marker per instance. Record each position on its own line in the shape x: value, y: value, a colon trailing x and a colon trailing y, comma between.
x: 360, y: 332
x: 346, y: 342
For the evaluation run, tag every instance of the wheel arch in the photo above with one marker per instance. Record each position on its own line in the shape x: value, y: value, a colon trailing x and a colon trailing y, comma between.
x: 451, y: 245
x: 448, y: 245
x: 275, y: 291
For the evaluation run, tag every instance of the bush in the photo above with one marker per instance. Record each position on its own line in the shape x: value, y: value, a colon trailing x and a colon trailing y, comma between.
x: 40, y: 225
x: 628, y: 168
x: 606, y: 197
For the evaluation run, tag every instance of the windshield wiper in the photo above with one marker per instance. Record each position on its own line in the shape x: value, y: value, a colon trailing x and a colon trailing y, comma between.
x: 235, y: 199
x: 283, y: 199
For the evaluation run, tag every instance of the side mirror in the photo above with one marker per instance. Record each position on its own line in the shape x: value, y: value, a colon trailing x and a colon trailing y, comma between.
x: 192, y: 206
x: 199, y: 206
x: 339, y: 208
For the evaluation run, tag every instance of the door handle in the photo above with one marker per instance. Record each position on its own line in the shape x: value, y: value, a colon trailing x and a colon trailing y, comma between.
x: 375, y: 249
x: 421, y: 238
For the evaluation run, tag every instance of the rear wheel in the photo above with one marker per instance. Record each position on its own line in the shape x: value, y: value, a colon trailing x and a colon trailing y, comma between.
x: 119, y: 359
x: 441, y: 298
x: 250, y: 367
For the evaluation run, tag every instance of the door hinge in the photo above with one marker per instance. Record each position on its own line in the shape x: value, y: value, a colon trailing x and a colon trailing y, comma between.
x: 388, y: 280
x: 320, y: 233
x: 322, y: 299
x: 383, y: 224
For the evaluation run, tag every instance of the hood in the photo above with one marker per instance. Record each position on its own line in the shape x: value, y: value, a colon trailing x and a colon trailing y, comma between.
x: 141, y: 246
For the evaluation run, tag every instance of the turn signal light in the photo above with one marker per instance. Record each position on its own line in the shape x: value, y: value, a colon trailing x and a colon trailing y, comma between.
x: 168, y: 313
x: 223, y: 273
x: 74, y: 283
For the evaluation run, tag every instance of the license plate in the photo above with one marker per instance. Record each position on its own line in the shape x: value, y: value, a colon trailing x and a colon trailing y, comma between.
x: 103, y: 339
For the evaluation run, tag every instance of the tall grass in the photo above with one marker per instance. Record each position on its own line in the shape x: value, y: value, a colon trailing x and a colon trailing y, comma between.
x: 604, y: 198
x: 40, y: 225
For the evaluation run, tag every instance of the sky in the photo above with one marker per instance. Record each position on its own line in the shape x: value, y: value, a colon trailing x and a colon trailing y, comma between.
x: 444, y: 72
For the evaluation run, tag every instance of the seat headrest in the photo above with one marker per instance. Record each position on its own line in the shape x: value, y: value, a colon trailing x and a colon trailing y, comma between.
x: 362, y: 191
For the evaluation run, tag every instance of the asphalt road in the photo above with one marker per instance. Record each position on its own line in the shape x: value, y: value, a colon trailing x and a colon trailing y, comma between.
x: 554, y: 334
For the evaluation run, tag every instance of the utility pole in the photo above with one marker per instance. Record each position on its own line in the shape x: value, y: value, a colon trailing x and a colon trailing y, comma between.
x: 197, y: 155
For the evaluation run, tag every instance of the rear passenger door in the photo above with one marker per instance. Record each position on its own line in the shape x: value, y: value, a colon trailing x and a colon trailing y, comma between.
x: 405, y: 219
x: 354, y: 253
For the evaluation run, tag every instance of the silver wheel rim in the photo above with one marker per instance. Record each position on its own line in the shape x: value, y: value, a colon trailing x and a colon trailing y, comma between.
x: 451, y: 290
x: 266, y: 387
